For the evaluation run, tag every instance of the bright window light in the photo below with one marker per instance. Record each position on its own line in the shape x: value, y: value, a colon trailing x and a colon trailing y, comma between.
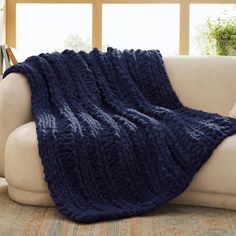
x: 143, y: 26
x: 52, y: 27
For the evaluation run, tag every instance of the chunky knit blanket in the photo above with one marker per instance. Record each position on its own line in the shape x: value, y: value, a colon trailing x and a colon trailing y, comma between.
x: 114, y: 139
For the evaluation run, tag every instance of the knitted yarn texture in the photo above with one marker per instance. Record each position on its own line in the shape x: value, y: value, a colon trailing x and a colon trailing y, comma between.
x: 114, y: 139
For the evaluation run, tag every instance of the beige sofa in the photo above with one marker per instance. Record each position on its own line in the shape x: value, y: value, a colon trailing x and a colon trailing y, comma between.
x: 206, y: 83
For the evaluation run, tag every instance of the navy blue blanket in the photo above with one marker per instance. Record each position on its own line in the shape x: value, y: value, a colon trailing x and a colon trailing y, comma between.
x: 114, y: 139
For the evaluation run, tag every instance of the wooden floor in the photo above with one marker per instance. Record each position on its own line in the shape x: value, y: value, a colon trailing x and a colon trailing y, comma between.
x: 16, y: 219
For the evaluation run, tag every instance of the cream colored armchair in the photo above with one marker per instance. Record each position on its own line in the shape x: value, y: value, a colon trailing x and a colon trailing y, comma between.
x: 206, y: 83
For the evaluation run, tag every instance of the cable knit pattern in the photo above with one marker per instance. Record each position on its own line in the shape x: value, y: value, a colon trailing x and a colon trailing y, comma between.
x: 114, y: 139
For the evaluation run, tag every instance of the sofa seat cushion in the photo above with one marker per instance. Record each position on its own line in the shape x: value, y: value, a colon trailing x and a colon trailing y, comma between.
x: 218, y: 173
x: 24, y: 172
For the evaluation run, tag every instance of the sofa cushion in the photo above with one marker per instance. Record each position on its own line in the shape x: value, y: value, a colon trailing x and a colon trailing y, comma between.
x: 218, y: 173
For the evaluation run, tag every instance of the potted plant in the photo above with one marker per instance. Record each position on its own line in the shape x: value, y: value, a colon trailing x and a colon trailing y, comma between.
x: 221, y: 37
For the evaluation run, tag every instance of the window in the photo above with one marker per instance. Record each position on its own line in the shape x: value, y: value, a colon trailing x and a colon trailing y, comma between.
x: 143, y: 26
x: 169, y: 25
x: 52, y: 27
x: 2, y: 22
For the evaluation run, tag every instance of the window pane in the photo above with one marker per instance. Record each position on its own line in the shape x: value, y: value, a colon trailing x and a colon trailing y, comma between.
x: 199, y: 14
x: 53, y: 27
x: 144, y: 26
x: 2, y: 22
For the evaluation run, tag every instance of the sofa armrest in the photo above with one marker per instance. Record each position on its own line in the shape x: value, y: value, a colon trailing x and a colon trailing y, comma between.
x: 205, y: 83
x: 15, y: 108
